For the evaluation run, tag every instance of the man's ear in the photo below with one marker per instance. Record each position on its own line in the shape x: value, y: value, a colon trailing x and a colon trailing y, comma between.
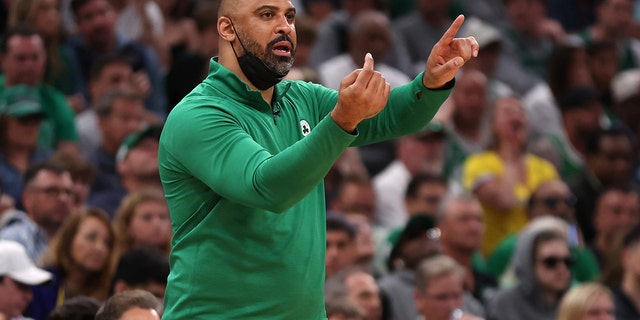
x: 225, y: 29
x: 120, y: 286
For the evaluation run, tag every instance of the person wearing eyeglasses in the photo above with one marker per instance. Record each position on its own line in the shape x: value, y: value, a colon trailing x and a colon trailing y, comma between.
x: 542, y: 266
x: 48, y: 200
x: 550, y: 199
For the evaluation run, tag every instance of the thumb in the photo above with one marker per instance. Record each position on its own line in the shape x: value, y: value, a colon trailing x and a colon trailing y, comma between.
x: 368, y: 62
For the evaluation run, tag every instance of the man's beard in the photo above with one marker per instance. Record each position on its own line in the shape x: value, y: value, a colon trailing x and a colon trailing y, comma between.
x: 276, y: 63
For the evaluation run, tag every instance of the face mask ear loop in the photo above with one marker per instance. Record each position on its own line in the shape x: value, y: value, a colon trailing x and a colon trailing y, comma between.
x: 237, y: 36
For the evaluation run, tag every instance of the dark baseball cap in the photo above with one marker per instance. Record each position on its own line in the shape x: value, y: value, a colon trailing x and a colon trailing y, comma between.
x: 20, y: 101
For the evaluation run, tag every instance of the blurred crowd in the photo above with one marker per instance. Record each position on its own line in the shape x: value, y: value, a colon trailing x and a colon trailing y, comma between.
x: 520, y: 200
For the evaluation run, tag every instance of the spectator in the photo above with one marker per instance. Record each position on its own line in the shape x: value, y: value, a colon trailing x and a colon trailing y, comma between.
x: 137, y: 168
x: 587, y: 301
x: 603, y: 66
x: 609, y: 160
x: 370, y: 32
x: 21, y: 118
x: 60, y: 71
x: 624, y: 296
x: 47, y: 199
x: 530, y: 38
x: 78, y: 308
x: 355, y: 194
x: 420, y: 152
x: 617, y: 210
x: 141, y: 268
x: 341, y: 249
x: 542, y: 267
x: 82, y: 174
x: 418, y: 31
x: 17, y: 275
x: 111, y: 72
x: 467, y: 128
x: 504, y: 176
x: 142, y: 220
x: 129, y: 305
x: 120, y: 114
x: 23, y: 63
x: 461, y: 225
x: 625, y: 92
x: 340, y: 309
x: 439, y: 289
x: 357, y: 287
x: 81, y: 258
x: 424, y: 194
x: 96, y: 37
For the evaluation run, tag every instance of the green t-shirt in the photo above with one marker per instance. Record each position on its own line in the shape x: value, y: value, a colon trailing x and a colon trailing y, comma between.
x: 244, y: 188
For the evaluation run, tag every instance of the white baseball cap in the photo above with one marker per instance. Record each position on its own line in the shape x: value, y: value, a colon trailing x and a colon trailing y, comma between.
x: 15, y: 264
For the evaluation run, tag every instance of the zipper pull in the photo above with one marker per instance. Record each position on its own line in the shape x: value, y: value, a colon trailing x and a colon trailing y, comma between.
x: 276, y: 112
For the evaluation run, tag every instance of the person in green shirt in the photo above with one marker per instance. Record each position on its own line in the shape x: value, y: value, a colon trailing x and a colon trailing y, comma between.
x: 243, y: 156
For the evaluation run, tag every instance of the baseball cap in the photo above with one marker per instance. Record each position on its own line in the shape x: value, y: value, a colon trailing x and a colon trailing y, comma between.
x: 152, y: 131
x: 20, y: 101
x: 15, y: 264
x: 625, y: 85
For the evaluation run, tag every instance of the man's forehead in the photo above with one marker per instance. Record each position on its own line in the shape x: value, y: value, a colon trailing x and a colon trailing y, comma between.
x: 21, y: 41
x: 246, y: 6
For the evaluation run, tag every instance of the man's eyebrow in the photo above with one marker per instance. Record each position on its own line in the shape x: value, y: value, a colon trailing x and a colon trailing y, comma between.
x: 275, y: 8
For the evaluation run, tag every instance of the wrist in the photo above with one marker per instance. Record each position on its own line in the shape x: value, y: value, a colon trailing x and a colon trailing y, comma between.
x: 346, y: 124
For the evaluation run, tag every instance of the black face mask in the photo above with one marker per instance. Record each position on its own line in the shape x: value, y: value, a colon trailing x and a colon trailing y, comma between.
x: 258, y: 73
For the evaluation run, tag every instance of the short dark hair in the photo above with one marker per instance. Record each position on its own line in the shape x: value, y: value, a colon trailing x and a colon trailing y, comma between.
x: 104, y: 61
x: 78, y: 308
x: 336, y: 222
x: 422, y: 179
x: 21, y: 30
x: 76, y: 5
x: 544, y: 237
x: 120, y: 302
x: 104, y: 105
x: 141, y: 266
x: 34, y: 169
x: 594, y: 140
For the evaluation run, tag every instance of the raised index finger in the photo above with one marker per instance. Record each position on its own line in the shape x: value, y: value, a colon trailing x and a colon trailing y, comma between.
x: 448, y: 36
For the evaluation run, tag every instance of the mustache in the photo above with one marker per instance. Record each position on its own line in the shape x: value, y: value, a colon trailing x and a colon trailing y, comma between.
x: 282, y: 37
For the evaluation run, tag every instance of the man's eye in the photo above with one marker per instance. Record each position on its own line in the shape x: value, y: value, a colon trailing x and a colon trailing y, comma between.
x: 267, y: 15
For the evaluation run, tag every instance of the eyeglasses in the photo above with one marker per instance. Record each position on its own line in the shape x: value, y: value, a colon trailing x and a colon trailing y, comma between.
x: 552, y: 202
x: 552, y: 262
x: 53, y: 191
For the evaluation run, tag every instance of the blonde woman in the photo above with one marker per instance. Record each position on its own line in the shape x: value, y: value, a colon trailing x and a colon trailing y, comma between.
x: 142, y: 220
x: 591, y: 301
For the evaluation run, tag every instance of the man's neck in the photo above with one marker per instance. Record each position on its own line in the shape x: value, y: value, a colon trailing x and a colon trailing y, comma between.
x: 462, y: 257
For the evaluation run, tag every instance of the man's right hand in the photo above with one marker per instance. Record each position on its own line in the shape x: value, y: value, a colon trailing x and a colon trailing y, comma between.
x: 362, y: 95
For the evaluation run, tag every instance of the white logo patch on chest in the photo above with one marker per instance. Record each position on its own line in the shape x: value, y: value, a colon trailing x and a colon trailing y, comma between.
x: 305, y: 128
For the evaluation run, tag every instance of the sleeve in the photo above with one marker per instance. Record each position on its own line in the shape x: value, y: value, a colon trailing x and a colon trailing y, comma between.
x: 220, y: 151
x: 478, y: 169
x: 408, y: 110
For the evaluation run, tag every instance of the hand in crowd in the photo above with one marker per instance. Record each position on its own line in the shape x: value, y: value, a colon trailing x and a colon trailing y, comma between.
x: 141, y: 84
x: 362, y: 95
x: 552, y: 29
x: 76, y: 102
x: 448, y: 55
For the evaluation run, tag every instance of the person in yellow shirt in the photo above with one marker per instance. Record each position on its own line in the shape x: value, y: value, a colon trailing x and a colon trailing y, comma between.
x: 504, y: 176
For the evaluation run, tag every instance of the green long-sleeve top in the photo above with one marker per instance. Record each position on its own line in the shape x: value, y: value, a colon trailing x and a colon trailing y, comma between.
x: 244, y: 184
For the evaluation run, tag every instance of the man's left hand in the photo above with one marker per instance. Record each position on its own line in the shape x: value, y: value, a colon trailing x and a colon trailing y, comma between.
x: 448, y: 55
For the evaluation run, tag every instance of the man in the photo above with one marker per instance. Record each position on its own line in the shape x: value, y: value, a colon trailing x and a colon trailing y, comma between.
x: 617, y: 210
x: 47, y: 199
x: 341, y: 247
x: 242, y: 159
x: 357, y: 287
x: 418, y: 153
x: 130, y: 305
x: 424, y: 194
x: 626, y: 295
x: 23, y: 57
x: 462, y: 226
x: 136, y: 169
x: 17, y: 275
x: 96, y: 38
x: 120, y: 114
x: 142, y: 268
x: 439, y: 289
